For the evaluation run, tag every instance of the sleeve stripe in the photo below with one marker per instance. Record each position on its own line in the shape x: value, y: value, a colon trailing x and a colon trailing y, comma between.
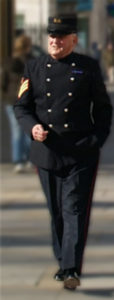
x: 24, y: 87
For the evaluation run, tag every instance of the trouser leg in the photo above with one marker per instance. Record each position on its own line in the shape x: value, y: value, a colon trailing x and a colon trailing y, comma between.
x: 52, y: 186
x: 77, y: 190
x: 69, y: 197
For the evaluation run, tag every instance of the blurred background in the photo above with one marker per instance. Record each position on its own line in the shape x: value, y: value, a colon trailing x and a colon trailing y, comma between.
x: 25, y: 239
x: 28, y: 264
x: 95, y: 21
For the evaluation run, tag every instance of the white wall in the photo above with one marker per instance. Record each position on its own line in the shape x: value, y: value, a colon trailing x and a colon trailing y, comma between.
x: 35, y: 11
x: 98, y: 22
x: 36, y: 14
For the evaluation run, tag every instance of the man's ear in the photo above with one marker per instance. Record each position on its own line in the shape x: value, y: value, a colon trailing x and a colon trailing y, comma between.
x: 75, y: 39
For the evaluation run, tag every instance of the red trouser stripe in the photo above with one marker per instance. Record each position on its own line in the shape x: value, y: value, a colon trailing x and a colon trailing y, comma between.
x: 88, y: 213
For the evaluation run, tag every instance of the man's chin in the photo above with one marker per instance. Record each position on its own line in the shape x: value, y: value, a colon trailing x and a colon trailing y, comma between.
x: 56, y: 53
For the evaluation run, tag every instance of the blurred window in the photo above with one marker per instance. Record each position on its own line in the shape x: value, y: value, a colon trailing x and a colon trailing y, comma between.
x: 83, y: 32
x: 19, y: 21
x: 110, y: 9
x: 83, y: 5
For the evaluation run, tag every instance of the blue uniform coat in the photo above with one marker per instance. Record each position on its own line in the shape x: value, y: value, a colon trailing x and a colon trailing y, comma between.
x: 68, y: 97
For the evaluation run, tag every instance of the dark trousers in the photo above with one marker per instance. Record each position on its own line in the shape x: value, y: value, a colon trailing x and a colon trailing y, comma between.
x: 69, y: 196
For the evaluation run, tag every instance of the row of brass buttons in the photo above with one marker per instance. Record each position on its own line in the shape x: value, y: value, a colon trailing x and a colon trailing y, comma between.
x: 72, y: 64
x: 49, y: 94
x: 65, y: 110
x: 69, y: 94
x: 65, y: 125
x: 71, y: 79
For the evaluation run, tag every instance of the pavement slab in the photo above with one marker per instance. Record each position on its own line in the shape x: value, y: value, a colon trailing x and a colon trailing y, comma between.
x: 26, y: 257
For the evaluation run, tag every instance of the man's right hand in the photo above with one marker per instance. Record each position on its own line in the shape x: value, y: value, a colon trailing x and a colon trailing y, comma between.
x: 39, y: 134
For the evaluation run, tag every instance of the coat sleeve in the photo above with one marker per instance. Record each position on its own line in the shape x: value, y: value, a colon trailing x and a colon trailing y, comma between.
x: 102, y: 108
x: 25, y: 107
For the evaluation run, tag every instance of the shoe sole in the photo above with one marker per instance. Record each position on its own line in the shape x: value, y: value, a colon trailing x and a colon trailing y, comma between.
x: 71, y: 283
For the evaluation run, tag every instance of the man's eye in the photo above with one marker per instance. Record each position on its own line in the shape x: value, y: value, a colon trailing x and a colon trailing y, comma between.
x: 52, y: 35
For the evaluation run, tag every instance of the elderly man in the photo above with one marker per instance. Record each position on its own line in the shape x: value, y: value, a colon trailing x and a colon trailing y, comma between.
x: 63, y: 105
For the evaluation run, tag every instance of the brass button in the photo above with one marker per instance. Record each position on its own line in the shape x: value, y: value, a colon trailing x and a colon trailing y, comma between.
x: 69, y: 94
x: 48, y: 94
x: 66, y: 125
x: 50, y: 125
x: 49, y: 65
x: 48, y: 79
x: 66, y: 109
x: 49, y: 110
x: 73, y: 64
x: 72, y: 78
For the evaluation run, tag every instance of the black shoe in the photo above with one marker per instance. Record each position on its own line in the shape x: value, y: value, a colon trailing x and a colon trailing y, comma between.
x: 59, y: 276
x: 71, y: 279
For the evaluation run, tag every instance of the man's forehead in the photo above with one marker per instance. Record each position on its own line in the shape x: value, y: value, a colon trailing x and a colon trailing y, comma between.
x: 59, y: 35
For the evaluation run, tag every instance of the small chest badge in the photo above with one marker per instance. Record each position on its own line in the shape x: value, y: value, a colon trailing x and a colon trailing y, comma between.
x: 77, y: 71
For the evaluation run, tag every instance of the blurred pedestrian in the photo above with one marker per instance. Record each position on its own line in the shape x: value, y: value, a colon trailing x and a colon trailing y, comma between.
x: 63, y: 105
x: 108, y: 61
x: 12, y: 73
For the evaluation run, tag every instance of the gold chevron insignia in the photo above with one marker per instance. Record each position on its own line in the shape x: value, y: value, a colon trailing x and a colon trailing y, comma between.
x: 55, y: 20
x: 24, y: 87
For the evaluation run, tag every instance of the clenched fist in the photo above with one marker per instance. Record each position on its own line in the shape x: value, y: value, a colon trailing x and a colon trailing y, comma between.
x: 39, y: 134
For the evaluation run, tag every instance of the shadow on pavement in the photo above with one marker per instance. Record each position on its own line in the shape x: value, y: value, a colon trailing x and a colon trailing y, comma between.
x: 44, y: 239
x: 97, y: 275
x: 25, y: 205
x: 99, y: 292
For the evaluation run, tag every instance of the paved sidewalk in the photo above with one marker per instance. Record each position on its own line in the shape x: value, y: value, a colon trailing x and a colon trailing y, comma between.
x: 28, y: 263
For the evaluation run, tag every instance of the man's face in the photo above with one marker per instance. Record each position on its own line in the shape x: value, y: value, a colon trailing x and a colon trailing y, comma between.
x: 61, y: 45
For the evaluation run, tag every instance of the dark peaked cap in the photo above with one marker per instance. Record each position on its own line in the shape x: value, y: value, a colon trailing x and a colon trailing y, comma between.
x: 62, y: 24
